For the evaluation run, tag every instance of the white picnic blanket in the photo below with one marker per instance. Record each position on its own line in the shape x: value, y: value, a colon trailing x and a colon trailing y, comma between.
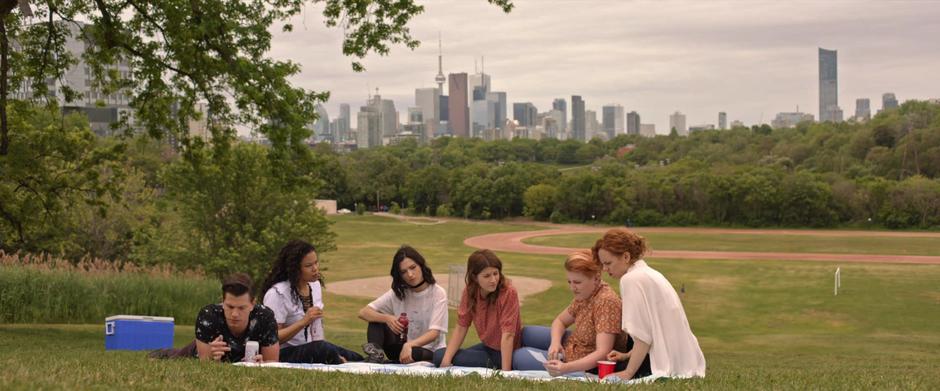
x: 428, y: 369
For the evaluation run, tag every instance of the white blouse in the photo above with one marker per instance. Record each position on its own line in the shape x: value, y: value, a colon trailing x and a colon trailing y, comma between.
x: 288, y: 311
x: 653, y: 313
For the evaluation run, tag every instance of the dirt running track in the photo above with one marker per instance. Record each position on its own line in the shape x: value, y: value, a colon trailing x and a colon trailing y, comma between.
x: 512, y: 242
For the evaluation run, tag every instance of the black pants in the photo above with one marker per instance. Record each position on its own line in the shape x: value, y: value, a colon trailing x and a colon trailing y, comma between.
x: 316, y: 352
x: 644, y: 370
x: 380, y: 335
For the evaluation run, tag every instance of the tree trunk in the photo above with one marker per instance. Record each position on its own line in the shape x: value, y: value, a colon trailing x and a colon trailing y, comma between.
x: 5, y: 10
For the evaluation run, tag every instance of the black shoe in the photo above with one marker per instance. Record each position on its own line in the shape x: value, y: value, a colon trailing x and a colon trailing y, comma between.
x: 374, y: 354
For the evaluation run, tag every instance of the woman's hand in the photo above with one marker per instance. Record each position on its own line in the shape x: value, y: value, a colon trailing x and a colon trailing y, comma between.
x: 556, y: 367
x: 405, y: 356
x: 554, y: 351
x: 445, y: 364
x: 392, y: 322
x: 617, y: 356
x: 312, y: 314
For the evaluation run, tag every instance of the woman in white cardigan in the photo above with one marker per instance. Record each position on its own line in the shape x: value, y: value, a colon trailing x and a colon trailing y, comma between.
x: 653, y: 315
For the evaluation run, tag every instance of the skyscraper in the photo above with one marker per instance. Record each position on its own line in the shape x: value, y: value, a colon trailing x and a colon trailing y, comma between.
x: 677, y: 122
x: 79, y: 79
x: 479, y: 80
x: 525, y: 113
x: 562, y: 106
x: 551, y: 122
x: 369, y: 124
x: 577, y: 118
x: 389, y: 117
x: 344, y: 123
x: 888, y: 101
x: 722, y: 120
x: 612, y: 120
x: 499, y: 113
x: 591, y: 125
x: 633, y: 123
x: 428, y: 99
x: 321, y: 127
x: 829, y: 87
x: 457, y: 105
x: 862, y: 109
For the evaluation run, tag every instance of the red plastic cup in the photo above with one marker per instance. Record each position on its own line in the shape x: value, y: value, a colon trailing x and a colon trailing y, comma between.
x: 605, y: 368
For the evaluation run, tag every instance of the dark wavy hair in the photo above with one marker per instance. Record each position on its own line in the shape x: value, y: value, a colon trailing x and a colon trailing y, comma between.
x: 479, y: 260
x: 286, y: 267
x: 398, y: 283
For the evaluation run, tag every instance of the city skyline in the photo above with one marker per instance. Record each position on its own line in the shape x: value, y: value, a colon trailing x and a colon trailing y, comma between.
x: 709, y: 58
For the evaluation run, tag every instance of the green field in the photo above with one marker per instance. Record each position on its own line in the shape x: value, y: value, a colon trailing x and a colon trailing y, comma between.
x: 762, y: 242
x: 761, y: 325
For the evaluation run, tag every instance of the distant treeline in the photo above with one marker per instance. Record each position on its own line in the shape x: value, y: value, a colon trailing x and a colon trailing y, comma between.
x: 229, y: 206
x: 879, y: 174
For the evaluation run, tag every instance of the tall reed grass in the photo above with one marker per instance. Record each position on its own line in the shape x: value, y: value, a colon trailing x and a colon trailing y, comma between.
x: 46, y: 289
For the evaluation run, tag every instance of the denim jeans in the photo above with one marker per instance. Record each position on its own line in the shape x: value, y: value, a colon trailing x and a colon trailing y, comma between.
x: 535, y: 340
x: 478, y: 355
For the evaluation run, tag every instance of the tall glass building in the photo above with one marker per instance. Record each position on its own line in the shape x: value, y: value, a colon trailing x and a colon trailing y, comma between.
x: 829, y: 87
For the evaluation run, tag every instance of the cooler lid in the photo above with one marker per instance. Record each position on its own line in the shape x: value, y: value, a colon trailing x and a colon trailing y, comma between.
x: 140, y: 318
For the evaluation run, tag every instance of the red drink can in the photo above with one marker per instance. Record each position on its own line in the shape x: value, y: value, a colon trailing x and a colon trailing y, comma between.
x: 605, y: 368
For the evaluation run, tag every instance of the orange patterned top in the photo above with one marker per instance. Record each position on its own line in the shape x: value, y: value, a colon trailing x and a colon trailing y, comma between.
x: 600, y: 313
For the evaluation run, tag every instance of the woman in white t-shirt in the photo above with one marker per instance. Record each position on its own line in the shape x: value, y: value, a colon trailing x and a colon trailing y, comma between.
x: 414, y: 293
x: 292, y: 291
x: 652, y: 312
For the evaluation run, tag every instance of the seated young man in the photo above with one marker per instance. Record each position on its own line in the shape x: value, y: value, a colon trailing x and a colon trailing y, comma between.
x: 222, y: 330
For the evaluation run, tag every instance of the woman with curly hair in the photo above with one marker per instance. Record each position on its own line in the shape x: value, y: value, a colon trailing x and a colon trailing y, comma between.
x: 663, y: 343
x: 293, y: 290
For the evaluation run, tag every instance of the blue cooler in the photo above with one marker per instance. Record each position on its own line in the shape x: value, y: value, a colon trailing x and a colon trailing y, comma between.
x: 133, y: 332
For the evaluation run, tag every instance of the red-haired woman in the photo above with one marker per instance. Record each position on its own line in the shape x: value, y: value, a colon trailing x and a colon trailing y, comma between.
x: 490, y: 303
x: 595, y: 312
x: 652, y: 312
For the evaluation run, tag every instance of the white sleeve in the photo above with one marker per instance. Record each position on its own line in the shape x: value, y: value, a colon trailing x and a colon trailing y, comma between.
x: 316, y: 294
x: 636, y: 310
x: 439, y: 311
x: 273, y: 301
x: 383, y: 304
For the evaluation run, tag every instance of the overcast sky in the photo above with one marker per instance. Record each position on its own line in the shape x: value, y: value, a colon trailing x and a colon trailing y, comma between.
x: 749, y: 58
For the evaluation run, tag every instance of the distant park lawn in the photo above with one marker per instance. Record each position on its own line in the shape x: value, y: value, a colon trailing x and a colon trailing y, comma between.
x: 762, y: 243
x: 761, y: 325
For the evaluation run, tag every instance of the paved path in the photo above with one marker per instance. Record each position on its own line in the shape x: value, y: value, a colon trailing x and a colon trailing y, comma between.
x: 512, y: 242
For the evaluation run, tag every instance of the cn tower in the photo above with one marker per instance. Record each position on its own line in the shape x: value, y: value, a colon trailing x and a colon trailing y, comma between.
x: 440, y: 68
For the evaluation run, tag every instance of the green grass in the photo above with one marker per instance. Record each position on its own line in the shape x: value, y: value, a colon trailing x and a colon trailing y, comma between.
x: 768, y: 243
x: 761, y: 325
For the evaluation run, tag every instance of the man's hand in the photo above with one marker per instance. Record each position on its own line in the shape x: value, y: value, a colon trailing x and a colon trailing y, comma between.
x: 218, y: 348
x: 405, y: 356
